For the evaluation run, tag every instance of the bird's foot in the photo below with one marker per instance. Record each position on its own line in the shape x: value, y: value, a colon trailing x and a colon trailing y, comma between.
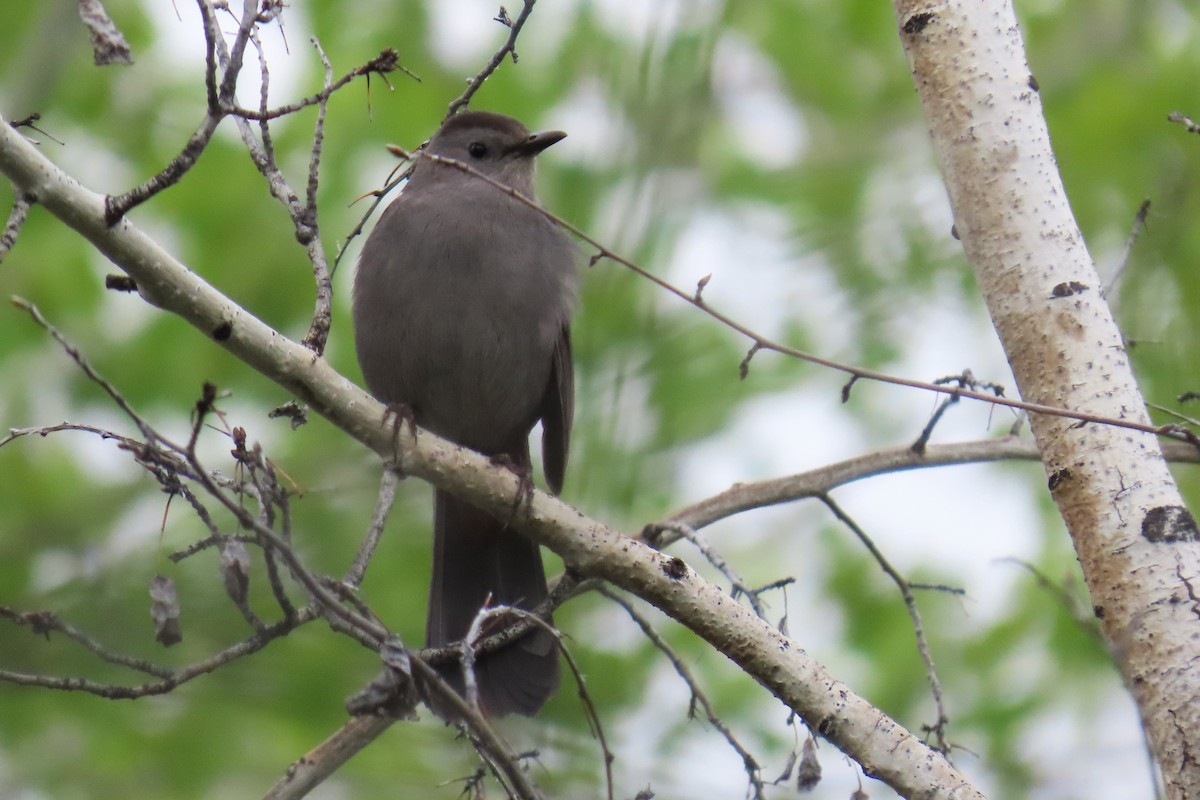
x: 401, y: 415
x: 524, y: 473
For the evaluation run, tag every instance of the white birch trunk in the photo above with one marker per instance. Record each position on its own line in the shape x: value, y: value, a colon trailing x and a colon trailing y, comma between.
x: 1135, y: 540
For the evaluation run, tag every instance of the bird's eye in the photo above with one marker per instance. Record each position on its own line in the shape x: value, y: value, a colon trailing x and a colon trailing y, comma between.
x: 477, y: 150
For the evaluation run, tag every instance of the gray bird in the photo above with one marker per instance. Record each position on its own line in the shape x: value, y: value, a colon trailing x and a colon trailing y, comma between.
x: 461, y: 309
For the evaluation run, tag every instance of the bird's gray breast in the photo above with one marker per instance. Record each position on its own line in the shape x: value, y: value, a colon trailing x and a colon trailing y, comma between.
x: 458, y: 306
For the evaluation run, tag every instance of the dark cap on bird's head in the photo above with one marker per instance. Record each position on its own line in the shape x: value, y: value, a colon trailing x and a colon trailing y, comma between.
x: 496, y: 145
x: 520, y: 141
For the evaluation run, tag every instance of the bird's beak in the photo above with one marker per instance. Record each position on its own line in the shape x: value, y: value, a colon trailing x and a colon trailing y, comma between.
x: 537, y: 142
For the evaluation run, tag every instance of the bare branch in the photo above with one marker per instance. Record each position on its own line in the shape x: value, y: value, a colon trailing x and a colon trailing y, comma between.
x: 1183, y: 119
x: 317, y: 589
x: 509, y: 47
x: 966, y: 379
x: 764, y: 343
x: 586, y: 545
x: 380, y: 194
x: 753, y: 770
x: 383, y: 506
x: 387, y: 61
x: 1139, y: 224
x: 16, y: 219
x: 307, y: 231
x: 938, y: 729
x: 169, y: 679
x: 232, y: 65
x: 87, y: 368
x: 108, y: 43
x: 311, y: 769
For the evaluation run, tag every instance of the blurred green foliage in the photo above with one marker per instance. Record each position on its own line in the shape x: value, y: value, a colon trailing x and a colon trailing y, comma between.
x: 79, y: 532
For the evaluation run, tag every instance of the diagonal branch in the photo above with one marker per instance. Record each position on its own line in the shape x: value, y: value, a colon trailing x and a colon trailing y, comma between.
x: 761, y: 342
x: 863, y: 732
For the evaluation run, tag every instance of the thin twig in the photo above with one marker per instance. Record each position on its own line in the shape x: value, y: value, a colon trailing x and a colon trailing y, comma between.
x: 108, y: 43
x: 315, y: 586
x: 762, y: 342
x: 1084, y: 618
x: 27, y: 122
x: 753, y: 770
x: 938, y: 729
x: 117, y: 206
x: 274, y: 578
x: 16, y: 219
x: 87, y: 368
x: 169, y: 679
x: 387, y: 61
x: 966, y: 380
x: 1179, y: 415
x: 509, y: 46
x: 380, y: 194
x: 232, y: 65
x: 315, y: 766
x: 1139, y: 224
x: 356, y: 734
x: 383, y: 506
x: 267, y: 537
x: 1184, y: 120
x: 468, y: 650
x: 307, y: 230
x: 591, y: 714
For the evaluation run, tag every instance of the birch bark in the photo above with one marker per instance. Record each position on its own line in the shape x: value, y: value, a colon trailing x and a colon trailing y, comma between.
x: 1135, y: 539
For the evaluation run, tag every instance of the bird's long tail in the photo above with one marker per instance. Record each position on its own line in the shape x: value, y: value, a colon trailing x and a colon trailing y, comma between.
x: 475, y: 557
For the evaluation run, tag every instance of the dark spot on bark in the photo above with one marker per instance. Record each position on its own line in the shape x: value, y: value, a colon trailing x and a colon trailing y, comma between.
x: 120, y: 283
x: 223, y: 331
x: 1098, y: 611
x: 1057, y: 477
x: 954, y: 232
x: 918, y: 22
x: 1169, y: 524
x: 674, y: 568
x: 1068, y: 288
x: 1033, y: 84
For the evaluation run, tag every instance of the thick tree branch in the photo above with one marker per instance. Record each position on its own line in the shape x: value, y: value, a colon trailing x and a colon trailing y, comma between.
x: 884, y: 748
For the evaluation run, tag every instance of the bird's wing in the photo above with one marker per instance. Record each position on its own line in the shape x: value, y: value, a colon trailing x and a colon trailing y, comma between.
x: 557, y: 411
